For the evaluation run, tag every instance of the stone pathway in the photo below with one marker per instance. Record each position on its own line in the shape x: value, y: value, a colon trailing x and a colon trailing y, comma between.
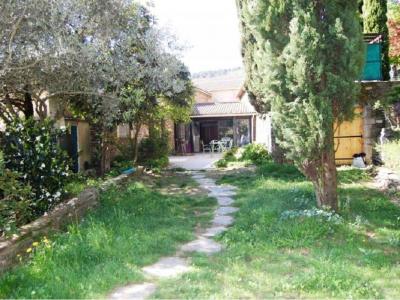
x: 169, y: 267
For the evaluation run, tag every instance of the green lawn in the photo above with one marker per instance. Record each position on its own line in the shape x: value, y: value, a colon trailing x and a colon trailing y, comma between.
x: 275, y: 249
x: 132, y: 227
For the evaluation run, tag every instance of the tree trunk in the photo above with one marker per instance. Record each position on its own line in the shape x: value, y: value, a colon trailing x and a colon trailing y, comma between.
x: 28, y: 106
x: 136, y: 143
x: 326, y: 183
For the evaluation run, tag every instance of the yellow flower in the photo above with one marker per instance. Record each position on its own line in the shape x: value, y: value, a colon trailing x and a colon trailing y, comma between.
x: 35, y: 244
x: 29, y: 250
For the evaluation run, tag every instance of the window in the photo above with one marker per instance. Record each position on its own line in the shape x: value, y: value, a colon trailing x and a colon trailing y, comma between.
x: 242, y: 132
x: 225, y: 128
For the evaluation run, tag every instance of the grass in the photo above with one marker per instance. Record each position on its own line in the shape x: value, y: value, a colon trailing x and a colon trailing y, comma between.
x: 134, y: 226
x: 275, y: 250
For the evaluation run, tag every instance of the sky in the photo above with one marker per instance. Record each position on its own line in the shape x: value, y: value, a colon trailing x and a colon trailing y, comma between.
x: 208, y: 29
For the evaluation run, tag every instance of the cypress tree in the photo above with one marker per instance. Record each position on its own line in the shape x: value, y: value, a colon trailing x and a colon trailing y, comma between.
x: 308, y: 55
x: 375, y: 21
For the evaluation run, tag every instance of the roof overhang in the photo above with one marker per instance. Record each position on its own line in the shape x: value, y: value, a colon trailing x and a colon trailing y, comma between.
x: 223, y: 116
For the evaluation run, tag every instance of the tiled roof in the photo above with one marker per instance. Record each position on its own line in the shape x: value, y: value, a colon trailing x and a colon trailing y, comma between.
x: 222, y: 109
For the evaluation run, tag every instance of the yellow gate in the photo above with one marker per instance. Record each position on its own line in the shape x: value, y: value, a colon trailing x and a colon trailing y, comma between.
x: 349, y: 139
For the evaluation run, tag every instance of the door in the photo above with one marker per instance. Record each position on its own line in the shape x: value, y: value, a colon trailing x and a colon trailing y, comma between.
x: 73, y: 149
x: 208, y: 132
x: 349, y: 139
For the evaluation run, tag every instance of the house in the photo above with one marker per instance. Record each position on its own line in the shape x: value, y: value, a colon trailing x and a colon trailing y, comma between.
x: 221, y: 110
x: 76, y: 141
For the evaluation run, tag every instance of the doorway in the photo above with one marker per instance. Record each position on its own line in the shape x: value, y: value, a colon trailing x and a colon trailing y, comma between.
x: 209, y: 131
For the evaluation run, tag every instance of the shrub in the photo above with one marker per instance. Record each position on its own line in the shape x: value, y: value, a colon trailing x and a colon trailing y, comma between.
x: 391, y: 155
x: 230, y: 155
x: 256, y: 153
x: 222, y: 163
x: 31, y: 149
x: 153, y: 152
x: 14, y: 200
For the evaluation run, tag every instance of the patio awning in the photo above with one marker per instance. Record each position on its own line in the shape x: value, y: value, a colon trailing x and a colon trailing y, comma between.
x: 229, y: 109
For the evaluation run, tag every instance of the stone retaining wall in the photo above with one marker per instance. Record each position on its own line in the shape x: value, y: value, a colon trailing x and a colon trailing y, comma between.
x: 62, y: 215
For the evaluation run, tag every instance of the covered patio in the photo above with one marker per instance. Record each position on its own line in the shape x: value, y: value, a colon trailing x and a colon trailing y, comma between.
x: 231, y: 124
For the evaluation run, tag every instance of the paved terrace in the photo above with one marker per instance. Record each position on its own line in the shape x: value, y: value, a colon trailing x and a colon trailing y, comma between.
x: 201, y: 161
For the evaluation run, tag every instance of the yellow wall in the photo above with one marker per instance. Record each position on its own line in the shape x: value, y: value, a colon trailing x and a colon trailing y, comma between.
x: 349, y: 138
x: 84, y: 145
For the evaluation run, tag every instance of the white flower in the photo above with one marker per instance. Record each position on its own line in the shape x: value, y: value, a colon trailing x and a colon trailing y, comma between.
x: 42, y: 166
x: 38, y: 138
x: 48, y: 194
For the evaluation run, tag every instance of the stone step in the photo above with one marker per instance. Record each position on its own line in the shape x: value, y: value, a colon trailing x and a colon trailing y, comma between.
x: 202, y: 245
x: 214, y: 231
x: 134, y: 291
x: 226, y: 210
x: 168, y: 267
x: 225, y: 201
x: 222, y: 221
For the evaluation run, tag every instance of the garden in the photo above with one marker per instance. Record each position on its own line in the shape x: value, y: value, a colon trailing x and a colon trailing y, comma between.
x: 283, y: 246
x: 304, y: 228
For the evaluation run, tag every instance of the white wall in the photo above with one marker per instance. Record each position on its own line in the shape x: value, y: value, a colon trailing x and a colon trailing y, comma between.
x: 263, y: 131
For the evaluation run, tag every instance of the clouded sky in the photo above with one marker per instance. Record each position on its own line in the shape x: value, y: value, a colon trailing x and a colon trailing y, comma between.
x: 209, y: 28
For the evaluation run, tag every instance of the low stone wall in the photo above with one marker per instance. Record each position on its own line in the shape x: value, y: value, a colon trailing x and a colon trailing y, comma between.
x: 62, y: 215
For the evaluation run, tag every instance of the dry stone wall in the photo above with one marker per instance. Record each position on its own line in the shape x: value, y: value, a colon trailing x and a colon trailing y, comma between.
x: 65, y: 213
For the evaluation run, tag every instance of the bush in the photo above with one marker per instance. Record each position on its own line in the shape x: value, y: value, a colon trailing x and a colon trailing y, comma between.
x: 256, y: 153
x: 391, y: 155
x: 230, y: 155
x: 31, y: 150
x: 14, y: 200
x: 153, y: 152
x: 222, y: 163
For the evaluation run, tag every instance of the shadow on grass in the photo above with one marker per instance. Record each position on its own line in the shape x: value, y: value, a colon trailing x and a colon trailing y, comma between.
x: 312, y: 257
x: 131, y: 228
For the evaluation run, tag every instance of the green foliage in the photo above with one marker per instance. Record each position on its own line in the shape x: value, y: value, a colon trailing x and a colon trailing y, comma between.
x: 390, y: 153
x: 15, y: 200
x: 231, y: 154
x: 390, y: 105
x: 256, y: 153
x: 282, y: 246
x: 393, y: 10
x: 352, y: 175
x: 132, y: 227
x: 153, y: 152
x: 375, y: 21
x: 31, y: 149
x: 222, y: 163
x: 304, y: 64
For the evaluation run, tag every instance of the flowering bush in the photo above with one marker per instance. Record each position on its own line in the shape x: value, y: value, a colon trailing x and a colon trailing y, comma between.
x: 31, y: 149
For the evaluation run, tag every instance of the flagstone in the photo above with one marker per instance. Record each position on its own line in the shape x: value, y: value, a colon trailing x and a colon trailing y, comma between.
x: 168, y: 267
